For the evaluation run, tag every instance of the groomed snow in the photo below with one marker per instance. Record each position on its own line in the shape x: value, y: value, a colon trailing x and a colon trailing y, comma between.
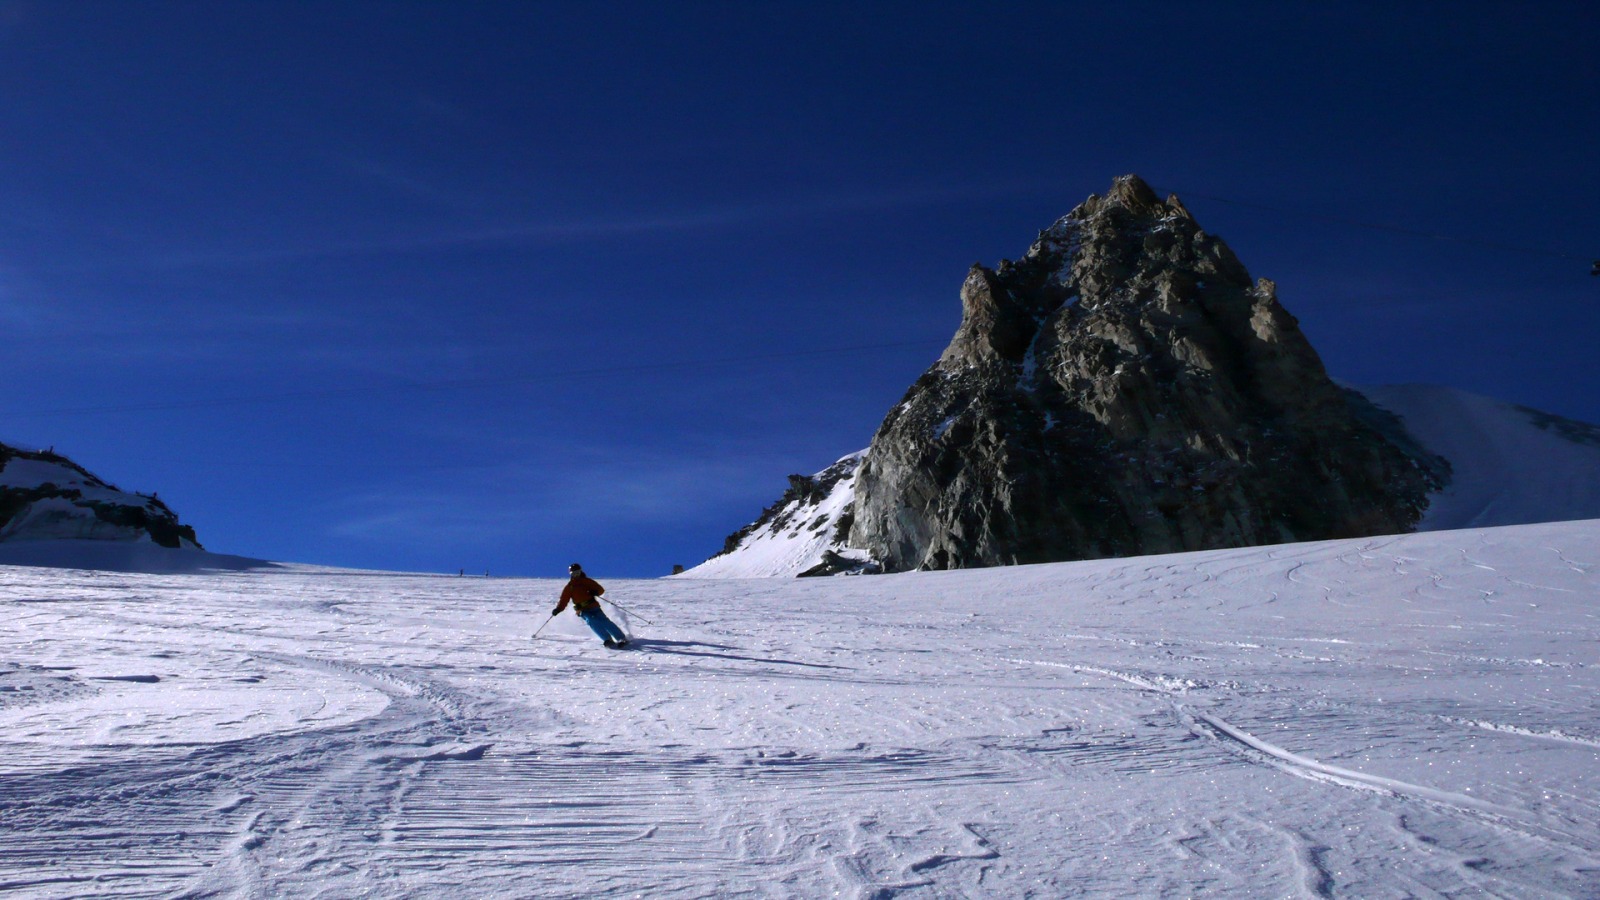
x: 1389, y: 717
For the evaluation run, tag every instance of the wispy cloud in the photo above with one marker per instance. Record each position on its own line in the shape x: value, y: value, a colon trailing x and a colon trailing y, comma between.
x: 605, y: 489
x: 171, y: 334
x: 401, y: 180
x: 599, y: 227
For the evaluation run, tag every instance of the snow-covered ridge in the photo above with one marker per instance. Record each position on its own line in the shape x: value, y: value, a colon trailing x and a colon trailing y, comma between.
x: 46, y: 497
x: 1510, y: 465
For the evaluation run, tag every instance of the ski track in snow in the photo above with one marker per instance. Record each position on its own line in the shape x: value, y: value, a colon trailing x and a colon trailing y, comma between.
x: 1391, y: 717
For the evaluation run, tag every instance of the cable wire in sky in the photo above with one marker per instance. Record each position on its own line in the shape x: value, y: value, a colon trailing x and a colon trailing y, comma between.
x: 617, y: 370
x: 459, y: 384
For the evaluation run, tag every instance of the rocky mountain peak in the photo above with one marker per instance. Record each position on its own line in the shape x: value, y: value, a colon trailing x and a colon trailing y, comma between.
x: 1123, y: 387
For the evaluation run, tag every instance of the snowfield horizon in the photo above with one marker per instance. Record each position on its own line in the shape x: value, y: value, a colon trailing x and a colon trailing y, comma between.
x: 1410, y: 715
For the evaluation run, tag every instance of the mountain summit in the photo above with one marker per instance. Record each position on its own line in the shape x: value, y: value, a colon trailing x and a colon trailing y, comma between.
x: 1124, y: 388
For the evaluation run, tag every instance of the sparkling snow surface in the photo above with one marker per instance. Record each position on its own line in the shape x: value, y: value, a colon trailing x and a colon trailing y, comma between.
x: 1392, y: 717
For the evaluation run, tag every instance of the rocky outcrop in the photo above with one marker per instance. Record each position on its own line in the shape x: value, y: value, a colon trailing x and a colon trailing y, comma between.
x: 1125, y: 388
x: 47, y: 497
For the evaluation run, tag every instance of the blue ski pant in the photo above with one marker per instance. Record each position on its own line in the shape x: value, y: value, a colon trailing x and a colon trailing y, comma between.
x: 604, y: 627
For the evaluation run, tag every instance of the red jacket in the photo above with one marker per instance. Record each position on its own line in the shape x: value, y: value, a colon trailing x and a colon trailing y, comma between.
x: 583, y: 592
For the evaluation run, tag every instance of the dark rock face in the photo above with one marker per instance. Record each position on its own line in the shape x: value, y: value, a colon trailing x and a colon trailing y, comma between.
x: 1124, y: 388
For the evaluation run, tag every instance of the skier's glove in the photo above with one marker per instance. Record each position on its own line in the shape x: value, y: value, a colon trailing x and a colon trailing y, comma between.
x: 555, y: 612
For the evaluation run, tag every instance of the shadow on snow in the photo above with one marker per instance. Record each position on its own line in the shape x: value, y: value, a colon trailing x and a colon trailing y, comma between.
x: 677, y: 647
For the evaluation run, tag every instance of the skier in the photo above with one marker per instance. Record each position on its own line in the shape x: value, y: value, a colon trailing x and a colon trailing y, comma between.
x: 584, y: 594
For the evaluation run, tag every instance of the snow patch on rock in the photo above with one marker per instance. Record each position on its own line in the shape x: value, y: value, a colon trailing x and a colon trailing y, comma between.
x: 801, y: 533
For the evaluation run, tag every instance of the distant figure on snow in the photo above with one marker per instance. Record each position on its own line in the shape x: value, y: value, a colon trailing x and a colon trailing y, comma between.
x: 584, y: 593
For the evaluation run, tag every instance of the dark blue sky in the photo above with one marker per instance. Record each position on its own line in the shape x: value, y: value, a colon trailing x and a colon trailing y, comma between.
x: 500, y: 286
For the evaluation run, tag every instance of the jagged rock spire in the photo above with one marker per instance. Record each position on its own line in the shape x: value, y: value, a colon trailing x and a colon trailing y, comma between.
x: 1125, y: 387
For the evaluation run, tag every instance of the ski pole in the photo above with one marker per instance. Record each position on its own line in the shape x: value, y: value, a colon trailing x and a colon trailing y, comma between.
x: 541, y: 627
x: 628, y: 611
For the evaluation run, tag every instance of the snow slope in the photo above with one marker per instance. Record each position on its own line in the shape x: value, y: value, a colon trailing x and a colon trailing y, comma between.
x: 798, y: 535
x: 121, y: 556
x: 1511, y: 466
x: 1405, y: 716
